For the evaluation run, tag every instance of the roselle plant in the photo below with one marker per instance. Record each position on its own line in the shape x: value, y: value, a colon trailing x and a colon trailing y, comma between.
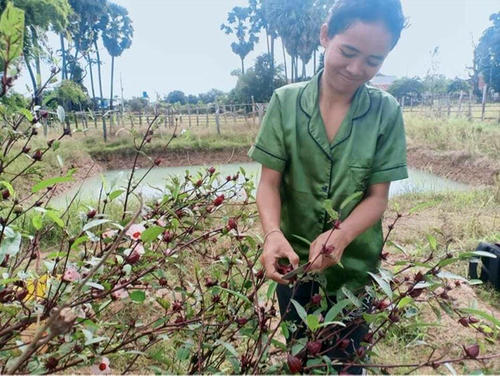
x: 172, y: 284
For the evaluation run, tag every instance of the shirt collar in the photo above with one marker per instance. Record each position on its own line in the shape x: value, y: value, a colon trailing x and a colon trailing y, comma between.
x: 310, y: 95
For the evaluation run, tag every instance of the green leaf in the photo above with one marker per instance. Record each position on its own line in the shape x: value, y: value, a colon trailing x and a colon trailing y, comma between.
x: 420, y: 206
x: 304, y: 240
x: 328, y: 206
x: 54, y: 216
x: 115, y: 194
x: 432, y: 242
x: 484, y: 315
x: 335, y: 310
x: 78, y: 241
x: 26, y: 113
x: 312, y: 322
x: 271, y: 289
x: 354, y: 196
x: 164, y: 303
x: 405, y: 301
x: 11, y: 33
x: 137, y: 296
x: 183, y: 353
x: 94, y: 223
x: 228, y: 347
x: 351, y: 297
x: 37, y: 221
x: 10, y: 245
x: 151, y: 233
x: 9, y: 187
x: 50, y: 182
x: 399, y: 247
x: 284, y: 330
x: 383, y: 284
x: 300, y: 310
x: 448, y: 275
x: 237, y: 294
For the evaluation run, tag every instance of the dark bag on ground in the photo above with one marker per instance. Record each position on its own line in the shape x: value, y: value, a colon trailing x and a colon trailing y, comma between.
x: 490, y: 267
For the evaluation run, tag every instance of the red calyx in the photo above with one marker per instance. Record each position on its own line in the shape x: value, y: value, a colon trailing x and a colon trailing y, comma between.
x: 313, y: 347
x: 294, y: 364
x: 472, y: 351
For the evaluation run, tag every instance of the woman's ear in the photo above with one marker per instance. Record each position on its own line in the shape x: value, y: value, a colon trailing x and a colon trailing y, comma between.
x: 323, y: 35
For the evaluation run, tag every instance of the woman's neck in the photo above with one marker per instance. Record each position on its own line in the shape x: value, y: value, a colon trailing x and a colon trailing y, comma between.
x: 329, y: 95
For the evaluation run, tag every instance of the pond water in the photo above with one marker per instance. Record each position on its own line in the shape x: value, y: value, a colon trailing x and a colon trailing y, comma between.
x: 152, y: 186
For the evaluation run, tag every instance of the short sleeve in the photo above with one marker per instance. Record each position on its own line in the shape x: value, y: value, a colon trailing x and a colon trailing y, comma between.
x: 269, y: 148
x: 390, y: 155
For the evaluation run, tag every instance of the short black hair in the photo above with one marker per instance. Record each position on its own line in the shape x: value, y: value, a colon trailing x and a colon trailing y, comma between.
x: 345, y: 12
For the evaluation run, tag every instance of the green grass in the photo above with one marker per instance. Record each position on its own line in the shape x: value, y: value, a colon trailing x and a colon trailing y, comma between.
x: 455, y: 134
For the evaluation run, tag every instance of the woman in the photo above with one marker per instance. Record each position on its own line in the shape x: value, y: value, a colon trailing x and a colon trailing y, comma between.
x: 323, y: 140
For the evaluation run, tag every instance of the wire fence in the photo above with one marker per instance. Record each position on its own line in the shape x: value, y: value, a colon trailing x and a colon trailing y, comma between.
x: 219, y: 117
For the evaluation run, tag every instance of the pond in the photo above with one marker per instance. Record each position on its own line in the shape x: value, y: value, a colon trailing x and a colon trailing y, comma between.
x: 152, y: 186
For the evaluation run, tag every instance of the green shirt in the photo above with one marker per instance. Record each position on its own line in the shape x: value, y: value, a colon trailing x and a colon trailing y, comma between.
x: 369, y: 148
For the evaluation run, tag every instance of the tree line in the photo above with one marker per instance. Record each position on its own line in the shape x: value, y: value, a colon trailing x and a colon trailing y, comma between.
x: 80, y: 25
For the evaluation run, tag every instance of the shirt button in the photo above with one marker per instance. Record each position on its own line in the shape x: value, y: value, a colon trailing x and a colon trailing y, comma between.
x: 325, y: 188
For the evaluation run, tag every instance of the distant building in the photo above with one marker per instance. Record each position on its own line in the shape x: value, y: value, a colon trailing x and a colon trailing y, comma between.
x: 382, y: 81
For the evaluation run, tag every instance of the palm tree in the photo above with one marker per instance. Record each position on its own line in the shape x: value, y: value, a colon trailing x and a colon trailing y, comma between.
x: 240, y: 23
x: 117, y: 37
x: 40, y: 17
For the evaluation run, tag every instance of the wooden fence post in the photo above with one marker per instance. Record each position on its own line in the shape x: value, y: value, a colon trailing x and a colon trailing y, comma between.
x: 189, y: 115
x: 483, y: 102
x: 233, y: 110
x: 217, y: 122
x: 460, y: 102
x: 449, y: 104
x: 469, y: 115
x: 253, y: 110
x: 208, y: 108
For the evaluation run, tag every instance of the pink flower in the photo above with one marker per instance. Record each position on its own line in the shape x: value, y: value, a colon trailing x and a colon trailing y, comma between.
x: 102, y: 367
x: 109, y: 234
x: 161, y: 222
x: 139, y: 248
x: 70, y: 275
x: 119, y: 294
x: 135, y: 231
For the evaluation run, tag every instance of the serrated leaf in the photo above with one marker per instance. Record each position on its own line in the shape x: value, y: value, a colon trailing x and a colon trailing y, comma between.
x: 78, y: 241
x: 405, y: 301
x: 300, y: 310
x: 137, y: 296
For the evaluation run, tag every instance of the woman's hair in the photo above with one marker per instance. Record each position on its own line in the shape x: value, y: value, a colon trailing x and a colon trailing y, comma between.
x: 345, y: 12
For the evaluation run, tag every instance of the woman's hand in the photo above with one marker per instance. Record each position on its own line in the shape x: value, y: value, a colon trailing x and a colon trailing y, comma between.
x: 275, y: 247
x: 327, y: 250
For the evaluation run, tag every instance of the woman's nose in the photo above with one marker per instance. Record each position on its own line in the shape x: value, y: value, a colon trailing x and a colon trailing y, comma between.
x: 355, y: 68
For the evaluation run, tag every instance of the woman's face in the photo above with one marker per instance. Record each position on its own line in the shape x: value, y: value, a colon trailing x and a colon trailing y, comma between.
x: 354, y: 56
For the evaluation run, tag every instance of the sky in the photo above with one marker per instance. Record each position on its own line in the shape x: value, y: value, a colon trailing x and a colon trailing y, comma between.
x: 178, y: 44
